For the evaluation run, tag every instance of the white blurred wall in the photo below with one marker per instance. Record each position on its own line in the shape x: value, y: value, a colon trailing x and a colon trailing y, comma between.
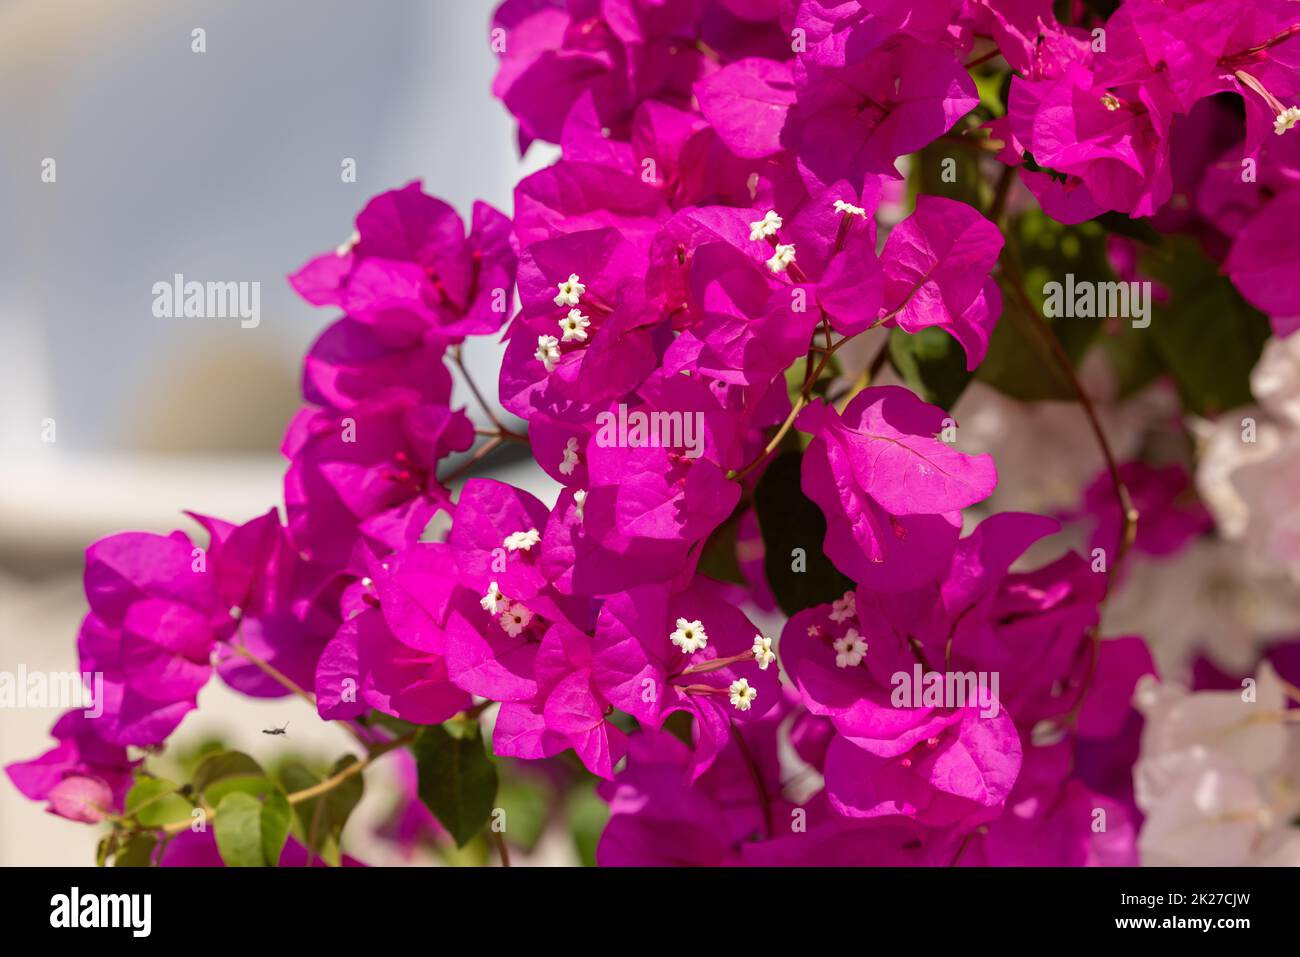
x: 224, y: 166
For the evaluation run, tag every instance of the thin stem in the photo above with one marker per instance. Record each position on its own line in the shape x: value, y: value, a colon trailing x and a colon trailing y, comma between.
x: 971, y: 64
x: 1001, y: 192
x: 501, y: 429
x: 479, y: 454
x: 502, y: 850
x: 316, y: 790
x: 1128, y: 513
x: 271, y: 670
x: 236, y: 644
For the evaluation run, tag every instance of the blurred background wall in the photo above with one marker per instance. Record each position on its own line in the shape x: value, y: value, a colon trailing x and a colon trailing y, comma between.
x: 223, y: 165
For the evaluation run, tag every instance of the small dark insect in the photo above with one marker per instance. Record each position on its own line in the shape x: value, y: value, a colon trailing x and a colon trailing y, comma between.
x: 279, y: 730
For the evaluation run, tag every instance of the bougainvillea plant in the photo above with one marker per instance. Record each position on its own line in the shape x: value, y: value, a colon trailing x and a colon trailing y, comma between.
x: 901, y: 379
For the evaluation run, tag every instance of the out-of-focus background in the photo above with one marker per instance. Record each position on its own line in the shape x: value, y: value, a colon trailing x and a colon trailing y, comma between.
x: 223, y: 165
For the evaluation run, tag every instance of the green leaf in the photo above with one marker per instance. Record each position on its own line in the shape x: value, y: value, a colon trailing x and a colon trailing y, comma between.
x: 105, y: 849
x: 718, y: 559
x: 525, y: 803
x: 931, y: 363
x: 276, y: 817
x: 137, y: 852
x: 219, y: 774
x: 587, y: 817
x: 1208, y: 336
x: 942, y: 161
x: 1134, y: 360
x: 1019, y: 362
x: 249, y: 832
x: 154, y: 801
x: 321, y: 820
x: 457, y: 781
x: 238, y: 828
x: 789, y: 520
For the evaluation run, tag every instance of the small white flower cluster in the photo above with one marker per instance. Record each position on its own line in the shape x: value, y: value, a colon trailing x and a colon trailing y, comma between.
x: 513, y: 616
x: 570, y: 460
x: 766, y: 228
x: 691, y: 637
x: 522, y: 541
x: 573, y: 326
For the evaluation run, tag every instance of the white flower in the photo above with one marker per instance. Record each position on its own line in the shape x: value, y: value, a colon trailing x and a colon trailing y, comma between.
x: 348, y: 244
x: 571, y: 291
x: 742, y: 695
x: 1209, y: 597
x: 850, y: 649
x: 842, y: 609
x: 763, y: 653
x: 689, y: 636
x: 575, y: 326
x: 492, y: 600
x: 843, y: 207
x: 1286, y: 119
x: 579, y: 500
x: 516, y: 541
x: 1275, y: 380
x: 548, y: 352
x: 765, y: 227
x: 1213, y: 778
x: 515, y: 619
x: 782, y: 258
x: 570, y: 460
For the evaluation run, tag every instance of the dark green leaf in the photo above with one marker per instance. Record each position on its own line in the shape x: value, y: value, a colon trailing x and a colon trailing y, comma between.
x: 321, y: 819
x: 718, y: 560
x: 931, y: 363
x: 1019, y: 362
x: 137, y: 852
x: 104, y: 850
x: 525, y: 803
x: 588, y: 815
x: 951, y: 170
x: 1208, y: 336
x: 457, y: 781
x: 1134, y: 359
x: 789, y: 520
x: 229, y: 771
